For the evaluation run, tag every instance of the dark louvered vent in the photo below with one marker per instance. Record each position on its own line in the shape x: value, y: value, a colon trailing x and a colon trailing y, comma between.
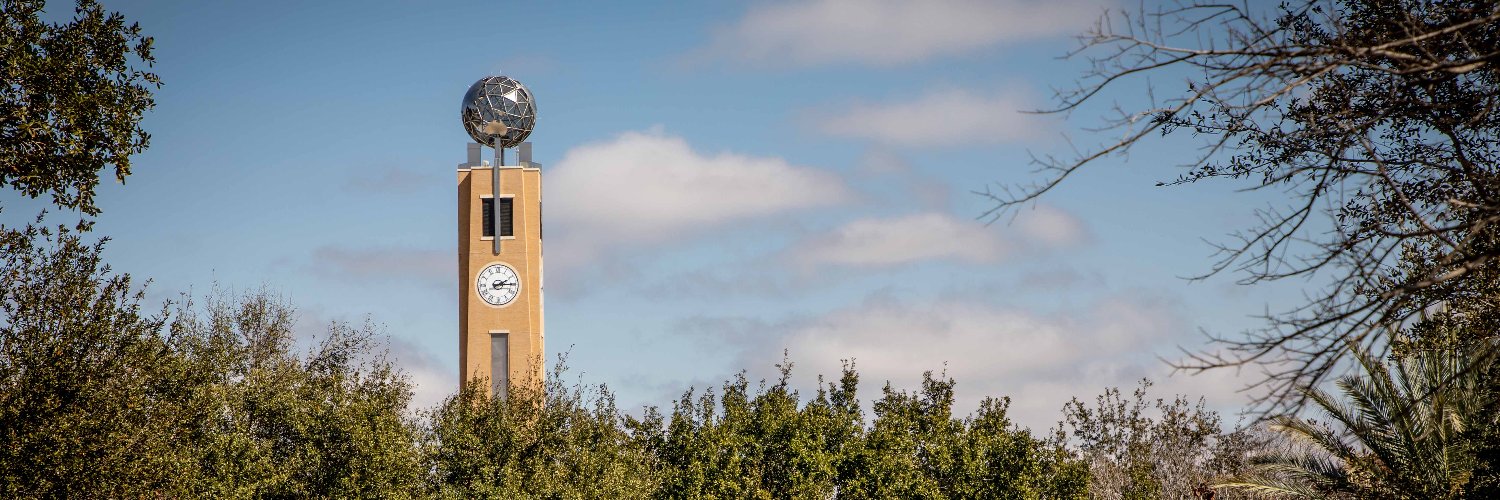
x: 507, y: 217
x: 489, y: 216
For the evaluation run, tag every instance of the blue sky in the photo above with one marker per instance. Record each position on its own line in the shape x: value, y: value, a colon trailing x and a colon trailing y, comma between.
x: 808, y: 166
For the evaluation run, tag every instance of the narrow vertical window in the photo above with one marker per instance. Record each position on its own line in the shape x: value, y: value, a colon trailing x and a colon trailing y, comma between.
x: 489, y: 216
x: 499, y: 364
x: 507, y: 217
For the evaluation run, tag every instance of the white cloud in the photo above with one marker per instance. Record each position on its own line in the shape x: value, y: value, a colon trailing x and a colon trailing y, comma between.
x: 882, y: 161
x: 892, y: 241
x: 944, y: 117
x: 643, y: 188
x: 894, y: 340
x: 1040, y: 360
x: 432, y: 380
x: 1048, y: 226
x: 1060, y: 278
x: 891, y: 32
x: 883, y: 169
x: 878, y: 242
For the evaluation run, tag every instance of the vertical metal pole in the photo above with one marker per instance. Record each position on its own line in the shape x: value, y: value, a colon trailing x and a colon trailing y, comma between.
x: 495, y: 193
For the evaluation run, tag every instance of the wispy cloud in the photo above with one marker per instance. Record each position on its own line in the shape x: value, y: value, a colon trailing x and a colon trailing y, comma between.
x: 1060, y: 278
x: 1049, y: 227
x: 881, y: 242
x: 823, y: 258
x: 891, y: 32
x: 943, y: 117
x: 644, y: 188
x: 1040, y: 359
x: 389, y: 180
x: 903, y: 239
x: 883, y: 169
x: 383, y: 265
x: 432, y: 380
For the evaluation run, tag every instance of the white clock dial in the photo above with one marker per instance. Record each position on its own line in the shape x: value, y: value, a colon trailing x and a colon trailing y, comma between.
x: 497, y: 284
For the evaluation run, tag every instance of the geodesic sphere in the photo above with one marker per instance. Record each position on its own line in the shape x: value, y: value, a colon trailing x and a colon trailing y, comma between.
x: 502, y: 99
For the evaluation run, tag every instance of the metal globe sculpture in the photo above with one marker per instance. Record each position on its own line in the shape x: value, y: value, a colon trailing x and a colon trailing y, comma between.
x: 498, y: 111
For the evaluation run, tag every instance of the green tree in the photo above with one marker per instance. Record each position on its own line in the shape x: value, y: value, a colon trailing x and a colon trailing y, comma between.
x: 98, y: 398
x: 71, y: 101
x: 1377, y: 122
x: 80, y: 375
x: 750, y: 441
x: 261, y: 421
x: 556, y: 442
x: 1466, y: 320
x: 916, y: 448
x: 760, y: 444
x: 1405, y: 431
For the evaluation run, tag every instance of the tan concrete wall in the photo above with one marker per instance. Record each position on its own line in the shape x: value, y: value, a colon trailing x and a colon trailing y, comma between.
x: 522, y: 317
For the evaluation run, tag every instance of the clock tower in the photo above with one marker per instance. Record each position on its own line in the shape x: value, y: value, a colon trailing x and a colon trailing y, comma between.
x: 500, y: 325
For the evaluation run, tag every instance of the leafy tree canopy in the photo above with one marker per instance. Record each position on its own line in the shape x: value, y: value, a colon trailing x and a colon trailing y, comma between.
x: 71, y: 101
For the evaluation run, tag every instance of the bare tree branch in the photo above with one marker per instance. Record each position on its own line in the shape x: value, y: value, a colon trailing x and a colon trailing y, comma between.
x: 1377, y: 120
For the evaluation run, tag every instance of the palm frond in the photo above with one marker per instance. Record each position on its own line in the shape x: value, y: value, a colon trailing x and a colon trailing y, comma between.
x: 1396, y: 427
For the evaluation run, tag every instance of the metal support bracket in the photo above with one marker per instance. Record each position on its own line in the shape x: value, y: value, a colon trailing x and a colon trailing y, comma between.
x: 495, y: 194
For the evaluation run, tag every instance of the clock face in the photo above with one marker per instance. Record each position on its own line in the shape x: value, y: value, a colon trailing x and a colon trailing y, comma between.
x: 497, y: 284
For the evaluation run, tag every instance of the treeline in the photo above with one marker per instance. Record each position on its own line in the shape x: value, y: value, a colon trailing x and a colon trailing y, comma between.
x: 744, y: 441
x: 102, y: 397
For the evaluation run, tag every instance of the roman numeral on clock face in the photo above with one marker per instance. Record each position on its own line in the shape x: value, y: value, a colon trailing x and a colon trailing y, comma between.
x: 497, y: 284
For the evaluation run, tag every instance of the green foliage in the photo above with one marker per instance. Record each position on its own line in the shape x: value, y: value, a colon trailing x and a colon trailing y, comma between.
x: 917, y: 449
x: 71, y: 100
x: 761, y: 442
x: 1486, y: 439
x: 265, y: 422
x: 1412, y: 427
x: 1394, y: 119
x: 98, y: 399
x: 211, y: 400
x: 551, y: 443
x: 79, y: 370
